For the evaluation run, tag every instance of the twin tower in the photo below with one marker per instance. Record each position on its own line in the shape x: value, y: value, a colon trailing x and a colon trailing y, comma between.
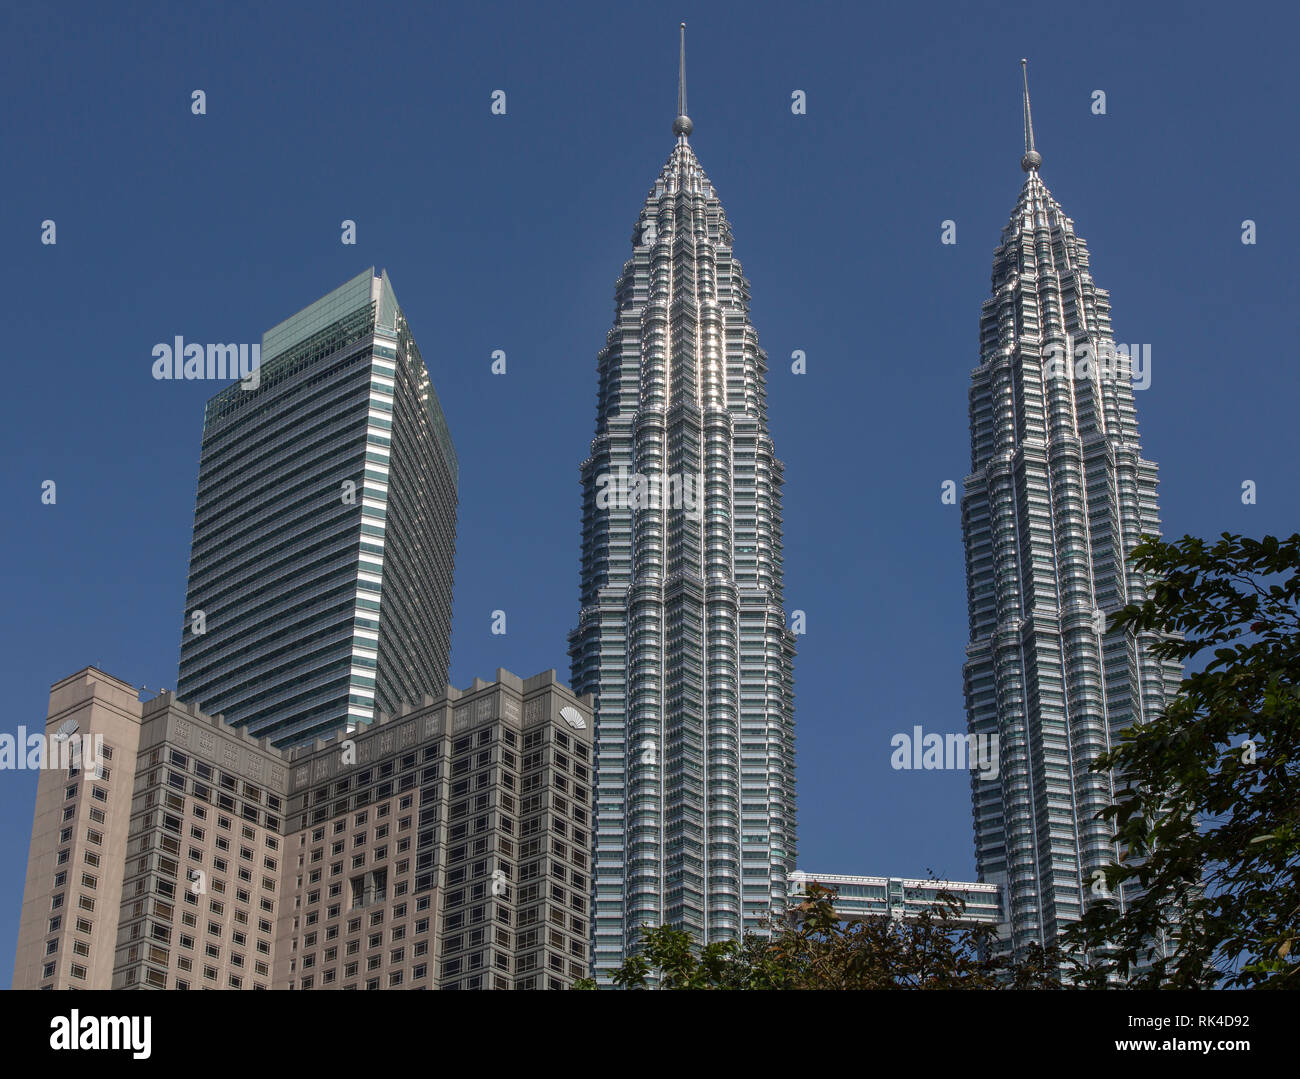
x: 303, y: 620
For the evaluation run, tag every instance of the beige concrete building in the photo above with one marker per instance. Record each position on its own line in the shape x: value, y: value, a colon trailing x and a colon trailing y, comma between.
x: 445, y: 847
x: 79, y: 839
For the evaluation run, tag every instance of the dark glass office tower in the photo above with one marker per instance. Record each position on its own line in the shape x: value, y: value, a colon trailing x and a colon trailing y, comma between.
x: 682, y: 636
x: 1058, y: 495
x: 324, y: 528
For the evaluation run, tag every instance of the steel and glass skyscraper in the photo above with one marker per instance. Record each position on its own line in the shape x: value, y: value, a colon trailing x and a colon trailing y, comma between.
x: 324, y: 528
x: 1058, y: 496
x: 682, y: 636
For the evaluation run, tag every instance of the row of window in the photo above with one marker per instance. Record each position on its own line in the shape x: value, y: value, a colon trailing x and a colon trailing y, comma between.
x: 89, y: 881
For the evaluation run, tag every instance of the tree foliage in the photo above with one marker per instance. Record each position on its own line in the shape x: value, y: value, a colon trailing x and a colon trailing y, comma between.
x: 1209, y: 815
x: 816, y: 949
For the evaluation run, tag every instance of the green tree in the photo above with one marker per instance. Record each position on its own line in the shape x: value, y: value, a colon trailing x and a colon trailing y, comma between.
x: 816, y: 949
x: 1209, y: 814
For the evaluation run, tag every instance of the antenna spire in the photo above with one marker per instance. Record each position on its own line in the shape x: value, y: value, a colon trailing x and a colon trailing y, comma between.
x: 682, y: 126
x: 1032, y: 159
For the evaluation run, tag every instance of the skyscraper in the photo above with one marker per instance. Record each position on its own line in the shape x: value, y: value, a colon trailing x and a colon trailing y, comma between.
x: 682, y: 637
x: 324, y: 527
x: 1058, y: 496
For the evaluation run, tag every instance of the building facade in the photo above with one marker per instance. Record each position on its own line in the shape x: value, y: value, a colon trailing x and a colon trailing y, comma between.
x: 1057, y: 498
x: 903, y: 898
x: 320, y: 574
x: 444, y: 847
x: 682, y: 638
x: 456, y: 838
x: 76, y: 865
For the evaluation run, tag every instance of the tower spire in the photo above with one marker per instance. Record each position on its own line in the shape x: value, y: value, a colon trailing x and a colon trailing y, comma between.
x: 1032, y: 159
x: 682, y: 126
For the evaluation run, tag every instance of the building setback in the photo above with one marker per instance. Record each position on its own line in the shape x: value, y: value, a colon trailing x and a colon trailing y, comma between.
x: 321, y: 569
x: 681, y: 637
x: 445, y: 847
x: 1058, y: 495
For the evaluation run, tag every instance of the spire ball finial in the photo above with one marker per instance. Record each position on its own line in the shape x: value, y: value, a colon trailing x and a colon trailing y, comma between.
x: 1032, y: 159
x: 682, y: 126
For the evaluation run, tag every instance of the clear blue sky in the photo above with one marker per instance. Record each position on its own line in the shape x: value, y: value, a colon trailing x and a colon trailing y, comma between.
x: 508, y: 233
